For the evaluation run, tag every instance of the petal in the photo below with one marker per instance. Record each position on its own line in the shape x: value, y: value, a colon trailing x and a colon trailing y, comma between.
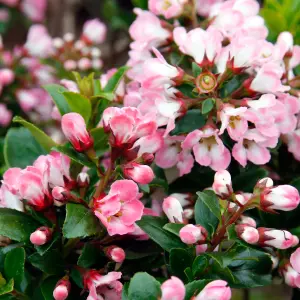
x: 122, y: 128
x: 239, y: 153
x: 191, y: 139
x: 131, y: 212
x: 126, y: 189
x: 257, y: 154
x: 110, y: 205
x: 202, y: 155
x: 115, y: 226
x: 167, y: 157
x: 220, y: 158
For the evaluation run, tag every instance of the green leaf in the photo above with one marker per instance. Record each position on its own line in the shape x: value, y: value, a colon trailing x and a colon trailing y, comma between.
x: 102, y: 105
x: 125, y: 291
x: 199, y: 265
x: 16, y: 225
x: 14, y: 266
x: 79, y: 104
x: 100, y: 141
x: 48, y: 286
x: 141, y: 249
x: 207, y: 211
x: 41, y: 137
x: 8, y: 288
x: 74, y: 155
x: 192, y: 120
x: 80, y: 222
x: 153, y: 226
x: 143, y: 287
x: 76, y: 277
x: 194, y: 288
x: 20, y: 148
x: 140, y: 3
x: 173, y: 227
x: 114, y: 81
x: 180, y: 259
x: 208, y: 105
x: 176, y: 58
x: 51, y: 262
x: 90, y: 256
x: 45, y: 248
x: 187, y: 90
x: 56, y: 92
x: 197, y: 70
x: 97, y: 87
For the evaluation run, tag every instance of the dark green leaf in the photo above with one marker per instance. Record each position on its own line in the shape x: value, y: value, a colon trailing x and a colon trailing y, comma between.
x: 143, y: 287
x: 180, y: 259
x: 207, y: 211
x: 20, y: 148
x: 208, y: 105
x: 41, y: 137
x: 80, y: 222
x: 44, y: 248
x: 100, y: 141
x: 8, y: 288
x: 56, y: 92
x: 192, y: 120
x: 199, y: 265
x: 48, y: 286
x: 16, y: 225
x: 141, y: 249
x: 187, y: 90
x: 114, y: 81
x: 140, y: 3
x: 194, y: 288
x: 153, y: 226
x: 97, y: 87
x: 76, y: 277
x: 197, y: 70
x: 176, y: 58
x: 79, y: 104
x: 144, y: 188
x: 14, y: 266
x: 125, y: 291
x: 90, y: 256
x: 173, y: 227
x: 102, y: 105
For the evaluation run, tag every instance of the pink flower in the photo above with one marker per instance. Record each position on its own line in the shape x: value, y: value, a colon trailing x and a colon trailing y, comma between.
x: 94, y: 31
x: 191, y: 234
x: 204, y: 7
x: 291, y: 276
x: 147, y: 30
x: 200, y: 44
x: 142, y: 174
x: 84, y: 64
x: 7, y: 76
x: 74, y: 128
x: 39, y: 43
x: 173, y: 289
x: 233, y: 119
x: 208, y: 148
x: 222, y: 184
x: 295, y: 260
x: 247, y: 233
x: 6, y: 115
x: 216, y: 289
x: 169, y: 9
x: 41, y: 236
x: 115, y: 253
x: 282, y: 197
x: 70, y: 85
x: 173, y: 209
x: 280, y: 239
x: 121, y: 208
x: 107, y: 285
x: 34, y: 9
x: 9, y: 199
x: 62, y: 289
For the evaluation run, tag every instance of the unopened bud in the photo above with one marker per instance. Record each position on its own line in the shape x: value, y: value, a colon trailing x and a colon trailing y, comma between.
x: 60, y: 195
x: 83, y: 179
x: 58, y: 43
x: 264, y: 183
x: 173, y: 209
x: 142, y: 174
x: 115, y: 253
x: 191, y: 234
x: 41, y: 236
x: 247, y: 233
x: 222, y: 184
x: 280, y: 239
x: 148, y: 158
x: 69, y: 37
x: 62, y: 289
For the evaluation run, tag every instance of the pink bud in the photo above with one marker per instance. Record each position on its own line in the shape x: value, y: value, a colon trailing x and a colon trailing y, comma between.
x: 62, y: 289
x: 84, y: 64
x: 247, y: 233
x: 83, y: 179
x: 217, y: 289
x: 201, y: 249
x: 60, y: 195
x: 139, y: 173
x: 191, y: 234
x: 280, y: 239
x: 222, y: 184
x: 94, y: 31
x: 70, y: 65
x: 116, y: 254
x: 7, y: 76
x: 6, y: 115
x: 247, y: 220
x: 41, y: 236
x: 264, y: 183
x: 282, y: 197
x: 74, y: 128
x: 295, y: 260
x: 291, y: 276
x: 173, y: 209
x: 173, y: 289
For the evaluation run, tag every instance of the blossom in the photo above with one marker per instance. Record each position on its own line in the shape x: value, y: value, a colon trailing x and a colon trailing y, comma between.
x: 216, y: 289
x: 34, y: 9
x: 121, y: 208
x: 291, y: 276
x: 222, y: 184
x: 6, y: 115
x: 173, y: 289
x: 173, y: 209
x: 295, y: 260
x: 62, y: 289
x: 7, y: 76
x: 94, y: 31
x: 167, y: 8
x: 191, y: 234
x: 41, y: 236
x: 247, y: 233
x: 208, y: 148
x: 139, y: 173
x: 115, y: 253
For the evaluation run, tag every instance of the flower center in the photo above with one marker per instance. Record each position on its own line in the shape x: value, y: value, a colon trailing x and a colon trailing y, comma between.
x: 166, y: 5
x: 209, y: 142
x: 206, y: 82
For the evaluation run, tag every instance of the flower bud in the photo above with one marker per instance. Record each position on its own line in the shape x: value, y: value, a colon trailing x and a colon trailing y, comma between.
x: 247, y: 220
x: 222, y: 184
x: 291, y: 276
x: 70, y: 65
x: 41, y: 236
x: 74, y: 128
x: 115, y: 253
x: 83, y: 179
x: 206, y: 82
x: 69, y: 37
x: 247, y: 233
x: 188, y: 213
x: 264, y: 183
x: 62, y: 289
x: 173, y: 289
x: 280, y: 239
x: 173, y: 210
x: 217, y: 289
x: 7, y: 76
x: 295, y: 260
x: 58, y: 43
x: 84, y: 64
x: 148, y: 158
x: 282, y: 197
x: 94, y: 31
x: 60, y: 195
x: 139, y: 173
x: 201, y: 248
x: 191, y: 234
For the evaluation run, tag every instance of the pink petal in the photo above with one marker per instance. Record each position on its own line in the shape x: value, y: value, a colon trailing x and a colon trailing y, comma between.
x: 131, y: 212
x: 126, y: 189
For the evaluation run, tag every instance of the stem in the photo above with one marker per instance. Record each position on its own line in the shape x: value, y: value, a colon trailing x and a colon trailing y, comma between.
x: 103, y: 182
x: 194, y: 14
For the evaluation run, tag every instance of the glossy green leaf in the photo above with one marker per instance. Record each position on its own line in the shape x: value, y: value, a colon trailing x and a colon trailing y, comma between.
x: 140, y: 3
x: 8, y: 288
x: 187, y: 90
x: 46, y: 247
x: 173, y: 227
x: 194, y: 288
x: 79, y: 104
x: 197, y: 70
x: 16, y: 225
x: 91, y: 255
x: 199, y: 265
x: 208, y: 105
x: 143, y: 287
x: 48, y: 286
x: 153, y: 226
x: 80, y: 222
x: 56, y: 92
x: 192, y: 120
x: 115, y: 80
x: 180, y: 259
x: 41, y: 137
x: 100, y: 141
x: 20, y: 148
